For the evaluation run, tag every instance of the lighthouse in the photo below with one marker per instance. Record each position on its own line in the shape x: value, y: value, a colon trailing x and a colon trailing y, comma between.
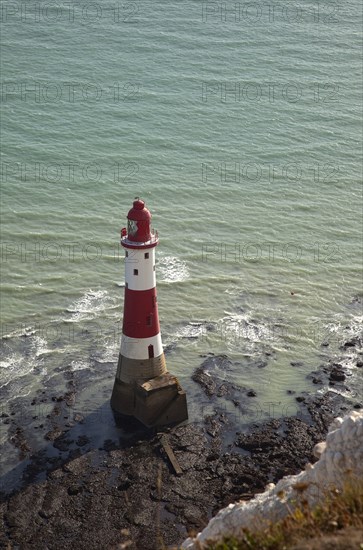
x: 143, y: 386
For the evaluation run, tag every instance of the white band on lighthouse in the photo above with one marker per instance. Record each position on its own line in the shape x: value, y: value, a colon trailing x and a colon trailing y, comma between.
x: 140, y: 269
x: 140, y: 348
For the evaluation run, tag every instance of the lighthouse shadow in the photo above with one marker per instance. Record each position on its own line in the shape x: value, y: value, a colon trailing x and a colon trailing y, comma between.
x: 98, y: 432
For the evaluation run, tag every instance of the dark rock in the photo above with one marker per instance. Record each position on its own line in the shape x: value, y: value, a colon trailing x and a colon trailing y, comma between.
x: 102, y: 498
x: 358, y: 406
x: 205, y: 380
x: 207, y: 376
x: 53, y: 434
x: 43, y: 514
x: 82, y: 440
x: 261, y: 364
x: 170, y: 347
x: 74, y: 489
x: 70, y: 398
x: 291, y: 392
x: 251, y: 393
x: 18, y: 439
x: 359, y: 363
x: 300, y: 399
x: 337, y: 375
x: 325, y: 344
x: 223, y: 390
x: 296, y: 363
x: 355, y: 341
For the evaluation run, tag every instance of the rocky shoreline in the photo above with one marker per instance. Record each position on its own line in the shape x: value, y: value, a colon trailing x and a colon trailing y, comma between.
x: 128, y: 494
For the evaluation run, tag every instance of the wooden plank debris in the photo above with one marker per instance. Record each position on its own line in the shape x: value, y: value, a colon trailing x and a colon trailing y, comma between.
x: 164, y: 440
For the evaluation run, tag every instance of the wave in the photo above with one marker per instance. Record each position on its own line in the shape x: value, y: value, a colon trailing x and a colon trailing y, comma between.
x: 20, y: 360
x: 23, y: 331
x: 90, y: 305
x: 234, y: 332
x: 172, y: 270
x: 79, y: 365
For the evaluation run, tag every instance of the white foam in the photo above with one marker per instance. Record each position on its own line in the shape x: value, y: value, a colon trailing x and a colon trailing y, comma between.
x: 108, y: 351
x: 90, y: 305
x: 192, y: 330
x: 41, y: 347
x: 24, y: 331
x: 235, y: 329
x: 17, y: 365
x: 79, y: 365
x: 172, y: 270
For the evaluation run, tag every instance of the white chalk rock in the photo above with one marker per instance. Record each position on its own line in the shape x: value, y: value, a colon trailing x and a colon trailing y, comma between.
x: 340, y: 457
x: 319, y: 449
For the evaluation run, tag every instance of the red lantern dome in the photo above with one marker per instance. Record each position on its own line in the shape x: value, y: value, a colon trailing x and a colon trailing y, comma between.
x: 138, y: 227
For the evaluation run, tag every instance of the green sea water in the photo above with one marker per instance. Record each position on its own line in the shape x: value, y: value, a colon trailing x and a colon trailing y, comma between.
x: 239, y: 124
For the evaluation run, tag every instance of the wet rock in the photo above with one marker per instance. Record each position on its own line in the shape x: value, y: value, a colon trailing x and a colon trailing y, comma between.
x: 359, y: 363
x: 43, y: 514
x: 74, y: 489
x: 90, y: 500
x: 223, y: 390
x: 213, y: 427
x: 337, y: 375
x: 53, y: 434
x: 205, y: 380
x: 353, y: 342
x: 19, y: 441
x: 300, y: 399
x: 82, y: 440
x: 251, y: 393
x: 261, y: 364
x: 70, y: 398
x: 170, y: 348
x: 62, y: 443
x: 296, y: 363
x: 207, y: 377
x: 58, y: 399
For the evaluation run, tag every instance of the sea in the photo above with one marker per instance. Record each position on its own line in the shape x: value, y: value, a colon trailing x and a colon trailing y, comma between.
x: 239, y: 125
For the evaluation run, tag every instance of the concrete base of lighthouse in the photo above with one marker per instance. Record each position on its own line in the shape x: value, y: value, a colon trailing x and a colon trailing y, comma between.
x: 158, y: 401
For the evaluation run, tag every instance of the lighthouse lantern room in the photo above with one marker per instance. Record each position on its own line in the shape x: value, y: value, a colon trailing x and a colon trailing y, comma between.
x: 143, y: 387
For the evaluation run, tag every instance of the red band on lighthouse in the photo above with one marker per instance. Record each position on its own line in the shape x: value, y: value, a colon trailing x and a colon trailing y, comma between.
x: 141, y: 319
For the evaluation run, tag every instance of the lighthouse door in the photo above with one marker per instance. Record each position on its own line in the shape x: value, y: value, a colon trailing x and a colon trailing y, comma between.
x: 151, y: 351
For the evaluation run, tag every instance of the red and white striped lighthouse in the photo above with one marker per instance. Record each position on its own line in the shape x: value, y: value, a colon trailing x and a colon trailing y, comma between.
x: 143, y: 387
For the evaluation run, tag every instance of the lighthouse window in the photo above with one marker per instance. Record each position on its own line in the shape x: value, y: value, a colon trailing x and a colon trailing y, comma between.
x: 126, y: 254
x: 136, y: 271
x: 154, y: 267
x: 148, y: 321
x: 146, y: 255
